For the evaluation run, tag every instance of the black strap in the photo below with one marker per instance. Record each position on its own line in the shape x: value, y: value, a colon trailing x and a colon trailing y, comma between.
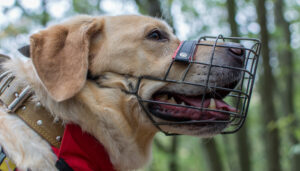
x: 2, y: 155
x: 62, y: 165
x: 186, y: 51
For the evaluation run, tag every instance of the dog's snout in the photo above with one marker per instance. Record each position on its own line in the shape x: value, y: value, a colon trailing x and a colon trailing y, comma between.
x: 235, y: 48
x: 236, y: 51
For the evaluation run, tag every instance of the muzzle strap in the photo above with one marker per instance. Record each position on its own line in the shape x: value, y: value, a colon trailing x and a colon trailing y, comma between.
x: 185, y: 51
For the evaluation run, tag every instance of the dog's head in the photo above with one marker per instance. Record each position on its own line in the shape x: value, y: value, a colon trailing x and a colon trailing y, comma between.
x: 117, y: 51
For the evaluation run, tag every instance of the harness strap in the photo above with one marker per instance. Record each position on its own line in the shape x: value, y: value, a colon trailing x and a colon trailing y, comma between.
x: 5, y: 163
x: 62, y: 165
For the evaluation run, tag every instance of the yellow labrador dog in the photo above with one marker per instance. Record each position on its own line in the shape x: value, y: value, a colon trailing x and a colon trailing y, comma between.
x: 115, y: 50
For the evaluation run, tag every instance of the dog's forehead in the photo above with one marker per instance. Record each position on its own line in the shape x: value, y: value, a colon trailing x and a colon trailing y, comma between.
x: 137, y: 21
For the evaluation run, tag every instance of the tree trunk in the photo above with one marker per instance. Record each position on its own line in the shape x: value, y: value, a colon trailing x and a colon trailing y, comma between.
x: 154, y: 9
x: 242, y: 139
x: 243, y: 146
x: 150, y: 7
x: 266, y: 89
x: 173, y: 152
x: 213, y: 157
x: 231, y: 10
x: 45, y: 15
x: 285, y: 55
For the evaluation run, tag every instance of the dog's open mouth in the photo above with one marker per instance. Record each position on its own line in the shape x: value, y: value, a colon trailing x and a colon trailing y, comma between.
x: 180, y: 107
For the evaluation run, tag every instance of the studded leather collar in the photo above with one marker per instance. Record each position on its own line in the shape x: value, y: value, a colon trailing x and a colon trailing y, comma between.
x: 17, y: 100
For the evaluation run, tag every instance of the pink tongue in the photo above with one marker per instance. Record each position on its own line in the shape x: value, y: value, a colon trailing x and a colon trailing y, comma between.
x: 195, y: 114
x: 220, y: 104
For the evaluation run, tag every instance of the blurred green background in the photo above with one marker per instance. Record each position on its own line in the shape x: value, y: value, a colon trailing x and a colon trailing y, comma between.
x: 270, y: 138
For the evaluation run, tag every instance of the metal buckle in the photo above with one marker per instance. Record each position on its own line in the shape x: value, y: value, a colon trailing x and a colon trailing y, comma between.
x: 15, y: 104
x: 8, y: 78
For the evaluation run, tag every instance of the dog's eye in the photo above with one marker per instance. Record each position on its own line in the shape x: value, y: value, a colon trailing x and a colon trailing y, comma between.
x: 156, y: 35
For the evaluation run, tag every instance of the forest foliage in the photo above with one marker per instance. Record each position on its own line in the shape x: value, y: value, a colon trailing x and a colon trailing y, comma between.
x: 270, y: 139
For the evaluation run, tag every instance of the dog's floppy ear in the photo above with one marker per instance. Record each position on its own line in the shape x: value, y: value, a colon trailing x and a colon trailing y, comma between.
x: 60, y: 56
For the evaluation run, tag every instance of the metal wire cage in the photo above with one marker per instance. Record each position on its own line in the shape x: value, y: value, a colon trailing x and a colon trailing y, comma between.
x: 239, y: 96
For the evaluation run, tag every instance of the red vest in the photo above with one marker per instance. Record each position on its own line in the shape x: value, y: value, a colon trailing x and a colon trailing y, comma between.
x: 82, y: 152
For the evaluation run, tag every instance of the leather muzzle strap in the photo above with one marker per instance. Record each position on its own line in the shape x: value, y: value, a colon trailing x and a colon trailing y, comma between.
x: 16, y: 99
x: 185, y: 51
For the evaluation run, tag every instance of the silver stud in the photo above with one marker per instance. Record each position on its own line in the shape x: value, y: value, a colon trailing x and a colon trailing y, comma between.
x: 16, y: 94
x: 183, y: 54
x: 38, y: 104
x: 39, y: 122
x: 58, y: 138
x: 56, y: 120
x: 23, y: 107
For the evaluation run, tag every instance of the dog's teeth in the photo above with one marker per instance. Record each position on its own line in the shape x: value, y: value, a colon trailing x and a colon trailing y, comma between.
x: 169, y: 96
x: 163, y: 97
x: 182, y: 103
x: 172, y: 100
x: 212, y: 104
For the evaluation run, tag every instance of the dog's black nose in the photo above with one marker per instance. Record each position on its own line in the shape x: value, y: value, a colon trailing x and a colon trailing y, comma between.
x: 235, y: 48
x: 236, y: 51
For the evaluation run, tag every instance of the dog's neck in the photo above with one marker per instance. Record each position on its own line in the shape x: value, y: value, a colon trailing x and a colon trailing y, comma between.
x: 127, y: 143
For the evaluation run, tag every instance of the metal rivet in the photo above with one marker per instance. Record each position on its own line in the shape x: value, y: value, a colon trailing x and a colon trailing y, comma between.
x: 16, y: 94
x: 58, y: 138
x: 38, y: 104
x: 39, y: 122
x: 56, y: 120
x: 23, y: 107
x: 183, y: 54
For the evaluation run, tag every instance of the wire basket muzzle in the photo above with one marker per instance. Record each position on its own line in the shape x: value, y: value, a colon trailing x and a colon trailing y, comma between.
x: 215, y: 101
